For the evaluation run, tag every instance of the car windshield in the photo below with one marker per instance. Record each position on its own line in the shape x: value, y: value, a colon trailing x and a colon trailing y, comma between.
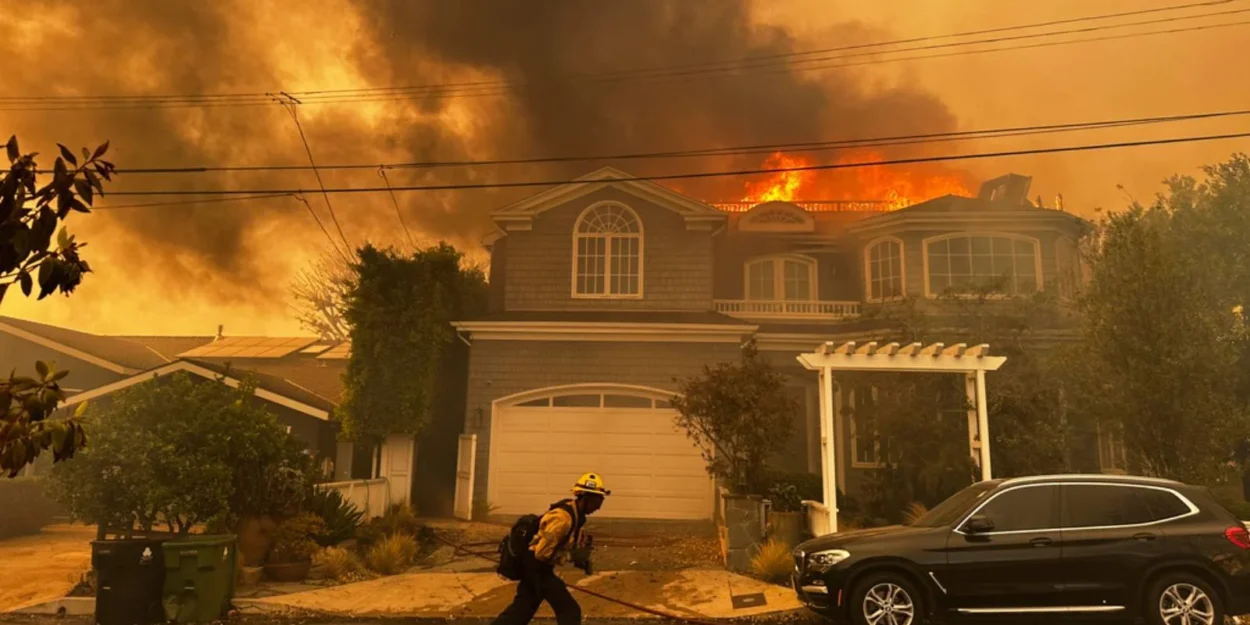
x: 954, y: 507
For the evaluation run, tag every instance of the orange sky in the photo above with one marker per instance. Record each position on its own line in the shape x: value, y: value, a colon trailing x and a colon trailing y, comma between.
x: 184, y: 271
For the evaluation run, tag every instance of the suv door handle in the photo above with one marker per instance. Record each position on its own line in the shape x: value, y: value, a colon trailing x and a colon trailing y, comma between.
x: 1144, y: 537
x: 1041, y: 542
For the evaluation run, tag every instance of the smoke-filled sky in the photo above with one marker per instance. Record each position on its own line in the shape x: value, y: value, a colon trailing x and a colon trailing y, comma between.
x: 186, y: 269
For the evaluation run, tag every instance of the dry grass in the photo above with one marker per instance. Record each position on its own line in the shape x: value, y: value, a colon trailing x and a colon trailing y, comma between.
x: 392, y: 555
x: 340, y: 565
x: 914, y: 512
x: 773, y: 563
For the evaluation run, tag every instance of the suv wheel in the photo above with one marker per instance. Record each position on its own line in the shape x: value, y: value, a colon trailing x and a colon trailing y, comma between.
x: 886, y: 599
x: 1183, y: 599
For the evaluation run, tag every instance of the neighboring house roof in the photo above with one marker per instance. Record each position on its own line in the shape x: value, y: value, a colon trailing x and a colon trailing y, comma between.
x: 269, y: 388
x: 268, y: 379
x: 117, y: 354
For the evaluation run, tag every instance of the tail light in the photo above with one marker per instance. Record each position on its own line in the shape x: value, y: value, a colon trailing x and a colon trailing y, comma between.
x: 1239, y: 536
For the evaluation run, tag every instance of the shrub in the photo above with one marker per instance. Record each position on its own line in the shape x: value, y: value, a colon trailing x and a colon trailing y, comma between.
x: 774, y: 562
x: 182, y: 452
x: 482, y: 509
x: 399, y: 520
x: 340, y: 517
x: 339, y: 564
x: 293, y: 542
x: 913, y: 512
x: 738, y: 414
x: 24, y: 508
x: 393, y: 554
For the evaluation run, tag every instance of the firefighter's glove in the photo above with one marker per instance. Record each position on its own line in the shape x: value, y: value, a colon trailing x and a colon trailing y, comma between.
x: 581, y: 558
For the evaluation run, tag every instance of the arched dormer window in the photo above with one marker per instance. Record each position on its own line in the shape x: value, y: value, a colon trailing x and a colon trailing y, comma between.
x: 607, y: 252
x: 883, y: 269
x: 967, y: 262
x: 777, y: 217
x: 781, y: 278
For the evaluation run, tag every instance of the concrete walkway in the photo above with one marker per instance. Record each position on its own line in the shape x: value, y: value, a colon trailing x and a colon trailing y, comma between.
x: 690, y: 593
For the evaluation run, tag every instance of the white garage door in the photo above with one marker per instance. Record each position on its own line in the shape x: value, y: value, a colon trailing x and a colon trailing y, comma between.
x: 541, y: 446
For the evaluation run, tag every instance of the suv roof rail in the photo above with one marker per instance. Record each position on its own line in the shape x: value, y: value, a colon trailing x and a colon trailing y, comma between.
x: 1092, y: 477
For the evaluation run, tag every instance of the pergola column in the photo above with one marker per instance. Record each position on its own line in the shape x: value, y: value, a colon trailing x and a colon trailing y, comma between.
x: 934, y: 358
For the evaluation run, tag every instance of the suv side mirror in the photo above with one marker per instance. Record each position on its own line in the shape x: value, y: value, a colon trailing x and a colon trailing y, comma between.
x: 978, y: 524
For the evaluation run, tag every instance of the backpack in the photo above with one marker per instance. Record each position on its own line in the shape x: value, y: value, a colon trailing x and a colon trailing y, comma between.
x: 516, y: 545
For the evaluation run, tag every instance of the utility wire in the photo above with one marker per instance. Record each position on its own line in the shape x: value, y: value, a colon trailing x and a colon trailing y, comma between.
x: 494, y: 87
x: 765, y: 148
x: 291, y: 105
x: 395, y: 202
x: 710, y: 174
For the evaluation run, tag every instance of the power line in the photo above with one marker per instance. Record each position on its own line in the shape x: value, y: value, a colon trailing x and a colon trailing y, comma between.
x: 805, y: 146
x: 484, y: 88
x: 711, y: 174
x: 245, y: 198
x: 395, y: 202
x: 291, y: 104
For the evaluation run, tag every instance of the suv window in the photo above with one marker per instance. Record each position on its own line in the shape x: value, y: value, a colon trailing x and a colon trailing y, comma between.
x: 1024, y: 508
x: 1163, y: 504
x: 1108, y: 505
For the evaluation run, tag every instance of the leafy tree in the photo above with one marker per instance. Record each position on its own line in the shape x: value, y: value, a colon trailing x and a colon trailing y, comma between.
x: 1165, y: 339
x: 29, y: 216
x: 321, y: 291
x: 739, y: 414
x: 400, y: 309
x: 921, y: 419
x: 180, y: 452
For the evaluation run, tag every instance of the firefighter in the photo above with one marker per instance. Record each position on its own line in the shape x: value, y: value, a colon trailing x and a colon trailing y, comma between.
x: 559, y: 536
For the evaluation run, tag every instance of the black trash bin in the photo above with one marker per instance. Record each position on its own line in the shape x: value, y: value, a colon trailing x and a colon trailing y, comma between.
x: 130, y: 579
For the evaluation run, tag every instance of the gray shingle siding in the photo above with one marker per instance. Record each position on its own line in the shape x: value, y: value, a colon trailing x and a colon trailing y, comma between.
x: 501, y: 368
x: 676, y: 263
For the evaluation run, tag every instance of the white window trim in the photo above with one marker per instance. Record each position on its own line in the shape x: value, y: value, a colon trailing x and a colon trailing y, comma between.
x: 1108, y: 465
x: 1037, y: 257
x: 607, y: 276
x: 779, y: 277
x: 856, y: 463
x: 902, y: 269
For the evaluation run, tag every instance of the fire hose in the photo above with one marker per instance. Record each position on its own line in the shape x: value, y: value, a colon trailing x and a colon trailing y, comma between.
x: 622, y: 602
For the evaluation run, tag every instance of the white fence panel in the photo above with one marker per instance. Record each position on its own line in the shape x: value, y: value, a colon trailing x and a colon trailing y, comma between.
x: 369, y: 496
x: 466, y: 469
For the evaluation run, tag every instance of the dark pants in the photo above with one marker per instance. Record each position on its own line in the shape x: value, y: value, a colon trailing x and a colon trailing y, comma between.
x: 541, y: 584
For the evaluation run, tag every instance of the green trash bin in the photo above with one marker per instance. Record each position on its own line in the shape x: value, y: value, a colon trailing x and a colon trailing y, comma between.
x: 199, y: 578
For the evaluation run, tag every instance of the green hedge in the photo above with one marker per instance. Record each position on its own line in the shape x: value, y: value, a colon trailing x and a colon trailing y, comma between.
x: 24, y: 508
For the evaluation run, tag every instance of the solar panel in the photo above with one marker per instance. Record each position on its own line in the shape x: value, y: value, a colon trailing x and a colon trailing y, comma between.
x: 315, y: 349
x: 342, y: 351
x: 249, y: 347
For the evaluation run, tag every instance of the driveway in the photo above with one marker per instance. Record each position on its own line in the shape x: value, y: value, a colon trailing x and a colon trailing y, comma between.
x: 45, y: 566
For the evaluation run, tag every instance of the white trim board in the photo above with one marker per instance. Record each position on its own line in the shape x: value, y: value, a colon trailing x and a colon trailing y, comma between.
x: 203, y: 372
x: 65, y: 349
x: 604, y: 331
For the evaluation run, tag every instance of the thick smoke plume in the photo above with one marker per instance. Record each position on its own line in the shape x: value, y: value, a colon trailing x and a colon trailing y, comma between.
x: 164, y: 262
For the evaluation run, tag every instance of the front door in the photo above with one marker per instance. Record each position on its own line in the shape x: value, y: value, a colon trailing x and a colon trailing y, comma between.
x: 1111, y: 534
x: 1014, y: 567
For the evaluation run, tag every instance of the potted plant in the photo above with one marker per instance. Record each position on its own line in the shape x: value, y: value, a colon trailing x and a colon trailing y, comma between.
x: 294, y: 546
x: 786, y: 520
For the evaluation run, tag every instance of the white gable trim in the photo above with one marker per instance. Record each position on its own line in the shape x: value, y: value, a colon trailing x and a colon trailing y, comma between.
x: 698, y: 215
x: 203, y: 372
x: 65, y: 349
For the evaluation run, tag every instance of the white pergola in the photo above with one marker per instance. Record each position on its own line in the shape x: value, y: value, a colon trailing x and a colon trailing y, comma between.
x: 973, y: 362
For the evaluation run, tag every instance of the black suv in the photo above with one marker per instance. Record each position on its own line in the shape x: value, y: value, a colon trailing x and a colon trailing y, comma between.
x: 1090, y: 546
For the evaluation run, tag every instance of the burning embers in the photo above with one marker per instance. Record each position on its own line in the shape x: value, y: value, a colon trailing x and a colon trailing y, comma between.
x: 897, y: 186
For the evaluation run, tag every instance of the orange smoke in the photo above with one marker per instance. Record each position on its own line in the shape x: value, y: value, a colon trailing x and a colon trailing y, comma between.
x: 899, y: 186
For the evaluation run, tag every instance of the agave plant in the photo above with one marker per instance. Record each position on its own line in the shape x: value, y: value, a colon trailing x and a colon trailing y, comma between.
x: 341, y: 518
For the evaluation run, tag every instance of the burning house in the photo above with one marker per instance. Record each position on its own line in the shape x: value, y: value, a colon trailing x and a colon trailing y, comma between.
x: 608, y: 290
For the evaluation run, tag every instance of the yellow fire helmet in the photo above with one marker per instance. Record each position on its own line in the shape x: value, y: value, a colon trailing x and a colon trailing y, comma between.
x: 590, y: 484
